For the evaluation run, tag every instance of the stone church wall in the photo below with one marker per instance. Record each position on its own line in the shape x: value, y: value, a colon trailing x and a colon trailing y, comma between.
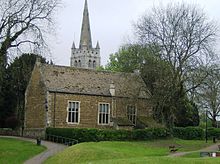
x: 35, y: 102
x: 89, y: 109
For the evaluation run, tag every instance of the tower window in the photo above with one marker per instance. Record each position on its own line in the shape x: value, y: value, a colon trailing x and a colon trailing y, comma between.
x: 79, y: 63
x: 94, y: 64
x: 75, y: 63
x: 90, y: 63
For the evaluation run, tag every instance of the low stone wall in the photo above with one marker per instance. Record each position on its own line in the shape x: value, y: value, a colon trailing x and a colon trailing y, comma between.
x: 9, y: 132
x: 34, y: 133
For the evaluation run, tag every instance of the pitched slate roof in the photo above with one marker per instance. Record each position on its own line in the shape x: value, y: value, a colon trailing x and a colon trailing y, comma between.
x: 91, y: 82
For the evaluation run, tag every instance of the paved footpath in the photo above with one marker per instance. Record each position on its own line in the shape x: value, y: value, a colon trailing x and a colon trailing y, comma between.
x: 52, y: 149
x: 211, y: 148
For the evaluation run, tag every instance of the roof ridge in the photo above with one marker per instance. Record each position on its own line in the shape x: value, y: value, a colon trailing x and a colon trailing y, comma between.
x: 90, y: 70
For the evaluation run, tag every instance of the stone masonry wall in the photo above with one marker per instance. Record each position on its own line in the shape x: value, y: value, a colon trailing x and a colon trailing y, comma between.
x: 35, y: 102
x: 89, y: 109
x: 84, y: 55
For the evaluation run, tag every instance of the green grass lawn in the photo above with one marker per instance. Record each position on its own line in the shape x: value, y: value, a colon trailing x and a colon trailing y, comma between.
x: 192, y: 155
x: 17, y: 151
x: 130, y: 152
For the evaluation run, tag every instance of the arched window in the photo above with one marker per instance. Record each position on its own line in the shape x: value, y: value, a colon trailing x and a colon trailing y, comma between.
x: 75, y: 64
x: 79, y: 63
x: 94, y: 64
x: 90, y: 63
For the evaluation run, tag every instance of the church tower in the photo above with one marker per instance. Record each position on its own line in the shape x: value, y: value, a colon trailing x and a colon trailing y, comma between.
x: 85, y: 56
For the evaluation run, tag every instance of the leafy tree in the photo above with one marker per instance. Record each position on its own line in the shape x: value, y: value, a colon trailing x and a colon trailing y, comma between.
x: 128, y: 59
x: 8, y: 100
x: 18, y: 76
x: 168, y: 110
x: 187, y: 114
x: 23, y: 24
x: 157, y: 75
x: 208, y: 94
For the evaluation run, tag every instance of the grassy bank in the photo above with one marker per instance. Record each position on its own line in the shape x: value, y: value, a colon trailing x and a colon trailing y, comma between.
x: 130, y: 152
x: 17, y: 151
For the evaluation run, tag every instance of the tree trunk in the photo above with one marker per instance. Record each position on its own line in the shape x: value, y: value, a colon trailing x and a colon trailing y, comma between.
x: 214, y: 122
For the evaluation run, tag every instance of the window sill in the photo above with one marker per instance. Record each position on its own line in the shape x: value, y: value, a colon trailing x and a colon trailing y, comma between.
x: 71, y: 123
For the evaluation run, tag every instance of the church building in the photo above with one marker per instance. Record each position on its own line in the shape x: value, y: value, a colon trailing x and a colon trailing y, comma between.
x: 79, y: 96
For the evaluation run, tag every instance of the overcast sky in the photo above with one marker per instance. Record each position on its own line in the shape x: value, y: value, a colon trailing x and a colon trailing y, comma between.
x: 111, y: 23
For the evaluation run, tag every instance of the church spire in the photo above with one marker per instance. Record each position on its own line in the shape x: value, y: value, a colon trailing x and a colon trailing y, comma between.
x: 85, y: 56
x: 85, y: 39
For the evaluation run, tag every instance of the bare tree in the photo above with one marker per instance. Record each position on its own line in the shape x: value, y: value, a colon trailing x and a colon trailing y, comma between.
x: 185, y: 38
x: 184, y: 34
x: 208, y: 94
x: 22, y: 22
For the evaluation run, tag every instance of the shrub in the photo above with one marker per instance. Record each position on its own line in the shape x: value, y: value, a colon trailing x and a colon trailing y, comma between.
x: 213, y: 132
x: 188, y: 133
x: 12, y: 122
x: 92, y: 135
x: 2, y: 123
x: 151, y: 133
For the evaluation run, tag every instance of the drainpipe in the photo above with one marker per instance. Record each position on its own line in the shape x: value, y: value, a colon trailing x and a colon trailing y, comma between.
x: 112, y: 92
x: 54, y: 110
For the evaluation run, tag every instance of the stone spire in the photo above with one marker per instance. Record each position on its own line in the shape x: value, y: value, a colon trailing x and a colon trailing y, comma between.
x: 97, y: 45
x: 85, y: 39
x: 85, y: 56
x: 73, y: 45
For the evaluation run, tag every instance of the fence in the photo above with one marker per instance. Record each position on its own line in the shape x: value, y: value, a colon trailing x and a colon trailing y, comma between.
x: 62, y: 140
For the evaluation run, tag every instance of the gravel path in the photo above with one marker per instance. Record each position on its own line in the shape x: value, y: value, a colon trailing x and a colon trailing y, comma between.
x: 52, y: 149
x: 213, y: 147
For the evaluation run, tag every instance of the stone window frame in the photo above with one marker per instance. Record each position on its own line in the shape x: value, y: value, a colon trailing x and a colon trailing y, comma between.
x: 67, y: 117
x: 75, y: 63
x: 90, y: 63
x: 109, y: 109
x: 94, y: 64
x: 79, y: 63
x: 132, y: 116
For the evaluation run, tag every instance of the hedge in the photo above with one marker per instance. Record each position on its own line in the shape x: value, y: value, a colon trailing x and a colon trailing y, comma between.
x: 151, y: 133
x: 93, y: 135
x: 188, y: 133
x: 213, y: 132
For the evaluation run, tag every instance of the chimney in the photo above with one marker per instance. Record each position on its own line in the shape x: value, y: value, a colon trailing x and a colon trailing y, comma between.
x: 38, y: 61
x: 112, y: 89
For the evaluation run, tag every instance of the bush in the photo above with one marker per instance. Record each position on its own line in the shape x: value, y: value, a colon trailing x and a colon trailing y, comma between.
x: 12, y: 122
x: 188, y: 133
x: 2, y: 123
x: 93, y: 135
x: 213, y: 132
x: 151, y: 133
